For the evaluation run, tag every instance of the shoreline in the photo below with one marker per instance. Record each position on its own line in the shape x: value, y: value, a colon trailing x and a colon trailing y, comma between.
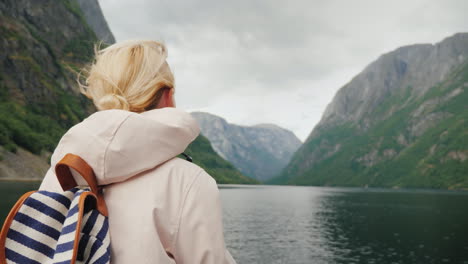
x: 20, y: 180
x: 259, y: 186
x: 350, y: 188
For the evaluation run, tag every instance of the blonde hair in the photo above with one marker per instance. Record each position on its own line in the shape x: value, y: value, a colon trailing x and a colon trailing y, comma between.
x: 129, y: 75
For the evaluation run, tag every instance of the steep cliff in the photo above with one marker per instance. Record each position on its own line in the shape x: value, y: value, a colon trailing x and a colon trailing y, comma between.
x: 42, y: 44
x: 402, y: 122
x: 95, y: 19
x: 260, y: 151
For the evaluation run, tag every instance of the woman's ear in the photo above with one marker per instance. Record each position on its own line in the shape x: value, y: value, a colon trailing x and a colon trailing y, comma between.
x: 167, y: 99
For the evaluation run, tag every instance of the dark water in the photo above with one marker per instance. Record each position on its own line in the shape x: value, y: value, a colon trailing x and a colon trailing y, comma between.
x: 268, y: 224
x: 10, y: 192
x: 274, y: 224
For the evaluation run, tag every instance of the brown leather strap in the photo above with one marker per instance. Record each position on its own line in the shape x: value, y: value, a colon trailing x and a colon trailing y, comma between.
x: 66, y: 180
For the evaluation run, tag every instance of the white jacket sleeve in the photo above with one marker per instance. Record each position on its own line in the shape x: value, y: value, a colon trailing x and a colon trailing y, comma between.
x: 200, y: 236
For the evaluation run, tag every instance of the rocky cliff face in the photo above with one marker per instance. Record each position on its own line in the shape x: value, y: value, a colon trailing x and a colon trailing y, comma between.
x: 43, y: 43
x: 93, y: 15
x: 259, y: 151
x: 400, y: 122
x: 417, y: 66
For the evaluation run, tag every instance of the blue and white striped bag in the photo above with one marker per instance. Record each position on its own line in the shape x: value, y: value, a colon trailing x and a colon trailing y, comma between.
x: 69, y: 227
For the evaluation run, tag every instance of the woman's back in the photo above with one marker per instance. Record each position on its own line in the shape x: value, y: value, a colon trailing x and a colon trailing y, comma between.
x: 162, y: 209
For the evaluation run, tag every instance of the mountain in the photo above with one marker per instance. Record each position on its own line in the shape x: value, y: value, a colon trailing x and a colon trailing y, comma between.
x: 402, y: 122
x: 44, y: 43
x: 260, y: 151
x: 95, y: 19
x: 204, y: 156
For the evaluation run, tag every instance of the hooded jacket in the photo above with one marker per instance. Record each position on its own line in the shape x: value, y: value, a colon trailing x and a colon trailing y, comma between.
x: 162, y: 209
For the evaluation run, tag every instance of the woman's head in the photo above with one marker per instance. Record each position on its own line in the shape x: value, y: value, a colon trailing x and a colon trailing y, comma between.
x: 131, y: 75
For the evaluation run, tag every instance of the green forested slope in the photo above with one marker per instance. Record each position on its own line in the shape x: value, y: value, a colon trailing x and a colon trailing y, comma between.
x: 39, y: 52
x: 204, y: 156
x: 392, y: 152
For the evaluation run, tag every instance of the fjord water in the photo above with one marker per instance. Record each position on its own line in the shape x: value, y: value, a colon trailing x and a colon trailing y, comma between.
x: 288, y: 224
x: 10, y: 192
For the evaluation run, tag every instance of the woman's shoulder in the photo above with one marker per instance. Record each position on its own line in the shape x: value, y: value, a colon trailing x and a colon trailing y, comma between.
x: 183, y: 166
x: 178, y: 170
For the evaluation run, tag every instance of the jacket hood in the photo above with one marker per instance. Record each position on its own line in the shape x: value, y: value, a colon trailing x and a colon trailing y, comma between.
x: 119, y: 144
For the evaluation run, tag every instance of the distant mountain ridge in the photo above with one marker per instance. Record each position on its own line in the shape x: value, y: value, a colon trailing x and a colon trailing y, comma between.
x: 401, y: 122
x: 259, y: 151
x: 202, y: 153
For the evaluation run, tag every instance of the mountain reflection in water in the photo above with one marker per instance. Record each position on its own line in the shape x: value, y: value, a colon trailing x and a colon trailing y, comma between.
x: 288, y: 224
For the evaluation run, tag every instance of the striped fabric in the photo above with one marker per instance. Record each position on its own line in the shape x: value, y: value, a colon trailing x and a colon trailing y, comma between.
x: 45, y: 226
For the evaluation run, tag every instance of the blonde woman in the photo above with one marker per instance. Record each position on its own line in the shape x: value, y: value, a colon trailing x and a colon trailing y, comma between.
x: 162, y: 209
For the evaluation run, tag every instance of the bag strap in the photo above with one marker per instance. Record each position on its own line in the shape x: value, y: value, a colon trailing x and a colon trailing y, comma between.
x: 66, y: 180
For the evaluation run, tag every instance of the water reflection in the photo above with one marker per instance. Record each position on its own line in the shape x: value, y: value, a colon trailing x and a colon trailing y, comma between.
x: 399, y: 227
x: 276, y: 224
x: 333, y: 225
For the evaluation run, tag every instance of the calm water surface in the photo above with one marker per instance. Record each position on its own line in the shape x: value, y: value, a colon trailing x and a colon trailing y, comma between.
x: 276, y: 224
x: 279, y: 224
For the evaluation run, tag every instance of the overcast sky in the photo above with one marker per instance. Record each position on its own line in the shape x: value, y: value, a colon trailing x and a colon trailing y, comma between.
x: 281, y: 62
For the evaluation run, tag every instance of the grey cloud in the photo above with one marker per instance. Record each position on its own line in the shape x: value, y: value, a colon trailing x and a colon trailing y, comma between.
x: 232, y: 49
x: 271, y: 37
